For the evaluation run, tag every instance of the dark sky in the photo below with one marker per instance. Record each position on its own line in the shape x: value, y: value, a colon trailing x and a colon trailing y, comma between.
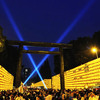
x: 47, y: 20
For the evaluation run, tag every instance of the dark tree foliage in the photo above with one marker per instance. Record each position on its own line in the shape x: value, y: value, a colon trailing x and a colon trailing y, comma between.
x: 96, y: 38
x: 80, y: 52
x: 9, y: 59
x: 68, y: 60
x: 44, y: 71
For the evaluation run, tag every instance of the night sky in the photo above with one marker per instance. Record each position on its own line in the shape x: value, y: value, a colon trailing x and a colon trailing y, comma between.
x: 47, y: 20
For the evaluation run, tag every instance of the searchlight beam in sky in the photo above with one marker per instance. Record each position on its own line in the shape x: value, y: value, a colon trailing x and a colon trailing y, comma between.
x: 18, y: 33
x: 79, y: 16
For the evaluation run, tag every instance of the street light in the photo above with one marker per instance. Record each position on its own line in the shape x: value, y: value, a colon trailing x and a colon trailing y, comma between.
x: 95, y: 50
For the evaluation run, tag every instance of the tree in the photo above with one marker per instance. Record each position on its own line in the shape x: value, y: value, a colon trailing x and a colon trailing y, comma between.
x: 96, y: 38
x: 77, y: 55
x: 9, y: 59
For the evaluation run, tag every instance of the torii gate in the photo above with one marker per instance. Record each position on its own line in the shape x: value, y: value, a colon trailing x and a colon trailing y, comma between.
x: 39, y: 44
x: 36, y: 44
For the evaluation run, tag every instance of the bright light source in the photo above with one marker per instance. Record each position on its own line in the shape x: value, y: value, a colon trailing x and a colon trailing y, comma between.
x: 94, y: 49
x: 26, y: 70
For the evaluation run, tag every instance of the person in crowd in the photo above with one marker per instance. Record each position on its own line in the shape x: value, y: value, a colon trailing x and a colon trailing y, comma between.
x: 20, y: 97
x: 75, y: 96
x: 11, y: 96
x: 1, y: 96
x: 63, y: 96
x: 93, y: 96
x: 49, y: 96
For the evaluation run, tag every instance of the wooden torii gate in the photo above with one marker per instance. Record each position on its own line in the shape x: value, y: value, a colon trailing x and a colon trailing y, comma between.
x: 39, y: 44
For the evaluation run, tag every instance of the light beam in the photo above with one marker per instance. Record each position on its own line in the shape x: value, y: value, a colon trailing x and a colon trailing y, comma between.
x: 18, y: 33
x: 79, y: 16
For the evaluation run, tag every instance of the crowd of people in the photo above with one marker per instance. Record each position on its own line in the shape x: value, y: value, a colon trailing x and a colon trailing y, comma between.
x: 50, y: 94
